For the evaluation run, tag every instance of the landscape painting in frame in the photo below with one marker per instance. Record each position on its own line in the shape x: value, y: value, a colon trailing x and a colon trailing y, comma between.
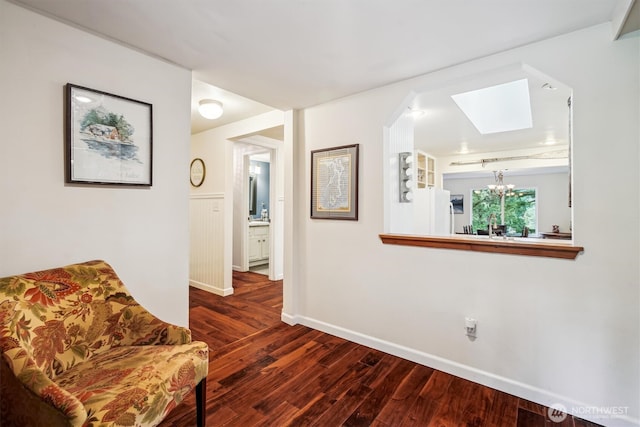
x: 108, y: 138
x: 457, y: 201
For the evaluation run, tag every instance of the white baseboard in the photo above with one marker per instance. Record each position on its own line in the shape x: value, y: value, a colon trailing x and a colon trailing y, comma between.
x: 516, y: 388
x: 209, y: 288
x: 289, y: 319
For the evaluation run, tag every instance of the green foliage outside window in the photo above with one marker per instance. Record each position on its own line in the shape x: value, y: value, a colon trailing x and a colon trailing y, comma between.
x: 519, y: 209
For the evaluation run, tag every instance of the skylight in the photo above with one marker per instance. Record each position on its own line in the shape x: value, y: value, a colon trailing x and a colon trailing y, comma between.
x: 499, y: 108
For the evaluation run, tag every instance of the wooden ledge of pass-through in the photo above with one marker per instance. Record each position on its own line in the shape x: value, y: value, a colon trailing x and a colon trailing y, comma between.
x: 499, y: 246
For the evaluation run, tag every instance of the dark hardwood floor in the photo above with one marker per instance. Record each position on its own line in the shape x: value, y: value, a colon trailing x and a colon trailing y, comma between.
x: 263, y: 372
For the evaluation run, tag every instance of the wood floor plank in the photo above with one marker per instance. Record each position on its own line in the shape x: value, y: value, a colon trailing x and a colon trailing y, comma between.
x: 264, y: 341
x: 331, y: 381
x: 404, y: 396
x: 222, y: 323
x: 304, y: 342
x: 249, y: 313
x: 382, y: 392
x: 340, y: 351
x: 217, y: 373
x: 527, y: 418
x: 263, y: 372
x: 247, y: 371
x: 266, y: 392
x: 281, y: 415
x: 504, y: 411
x: 267, y: 384
x: 452, y: 404
x: 477, y: 403
x: 343, y: 407
x: 312, y: 410
x: 536, y: 408
x: 247, y: 417
x: 373, y: 357
x: 295, y: 391
x: 437, y: 387
x: 341, y: 377
x: 269, y: 399
x: 220, y: 417
x: 380, y: 370
x: 420, y: 413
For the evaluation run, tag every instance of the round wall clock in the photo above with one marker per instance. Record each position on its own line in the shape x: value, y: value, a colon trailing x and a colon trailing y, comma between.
x: 198, y: 172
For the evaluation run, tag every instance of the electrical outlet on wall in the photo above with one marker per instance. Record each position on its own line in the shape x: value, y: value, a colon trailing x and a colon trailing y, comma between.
x: 471, y: 327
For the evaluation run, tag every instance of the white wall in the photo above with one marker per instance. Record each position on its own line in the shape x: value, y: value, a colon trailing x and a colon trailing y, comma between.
x: 552, y: 194
x: 548, y: 330
x: 141, y: 232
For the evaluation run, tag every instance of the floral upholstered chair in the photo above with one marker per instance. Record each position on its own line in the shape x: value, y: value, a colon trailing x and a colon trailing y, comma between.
x: 78, y: 350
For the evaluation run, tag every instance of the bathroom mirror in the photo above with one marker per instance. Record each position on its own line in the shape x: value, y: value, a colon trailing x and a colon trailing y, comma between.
x: 259, y: 186
x: 468, y: 156
x: 253, y: 189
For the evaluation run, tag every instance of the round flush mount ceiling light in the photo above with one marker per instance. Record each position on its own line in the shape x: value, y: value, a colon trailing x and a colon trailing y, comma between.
x: 416, y: 112
x: 210, y: 109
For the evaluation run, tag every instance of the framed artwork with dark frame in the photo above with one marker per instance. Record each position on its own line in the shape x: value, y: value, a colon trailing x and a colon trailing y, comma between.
x: 334, y: 183
x: 197, y: 172
x: 457, y: 201
x: 108, y: 138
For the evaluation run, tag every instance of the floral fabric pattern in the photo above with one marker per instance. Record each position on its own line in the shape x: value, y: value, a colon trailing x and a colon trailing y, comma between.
x: 77, y: 340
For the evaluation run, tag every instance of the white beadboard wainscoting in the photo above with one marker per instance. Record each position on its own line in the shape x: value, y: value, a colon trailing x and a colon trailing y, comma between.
x: 206, y: 258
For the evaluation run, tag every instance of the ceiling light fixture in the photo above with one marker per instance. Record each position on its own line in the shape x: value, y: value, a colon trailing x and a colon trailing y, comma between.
x: 416, y: 113
x: 210, y: 109
x: 254, y: 170
x: 500, y: 188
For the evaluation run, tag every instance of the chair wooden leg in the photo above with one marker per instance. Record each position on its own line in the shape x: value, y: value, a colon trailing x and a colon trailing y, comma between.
x: 201, y: 403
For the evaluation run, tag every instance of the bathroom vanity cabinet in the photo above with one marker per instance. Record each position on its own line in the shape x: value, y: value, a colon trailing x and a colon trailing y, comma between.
x: 258, y: 243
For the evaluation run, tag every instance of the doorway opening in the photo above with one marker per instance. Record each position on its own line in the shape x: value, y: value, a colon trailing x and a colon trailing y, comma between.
x: 258, y: 241
x: 257, y: 206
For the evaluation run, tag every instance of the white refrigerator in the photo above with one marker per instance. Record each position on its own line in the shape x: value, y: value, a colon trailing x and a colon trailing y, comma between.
x: 433, y: 212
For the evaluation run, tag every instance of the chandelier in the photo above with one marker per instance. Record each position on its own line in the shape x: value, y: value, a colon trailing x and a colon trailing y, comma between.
x: 500, y: 188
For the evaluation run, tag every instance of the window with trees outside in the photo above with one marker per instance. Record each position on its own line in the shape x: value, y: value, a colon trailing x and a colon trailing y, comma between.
x: 516, y: 209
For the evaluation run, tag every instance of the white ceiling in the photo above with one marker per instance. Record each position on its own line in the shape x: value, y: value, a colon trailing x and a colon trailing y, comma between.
x: 298, y: 53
